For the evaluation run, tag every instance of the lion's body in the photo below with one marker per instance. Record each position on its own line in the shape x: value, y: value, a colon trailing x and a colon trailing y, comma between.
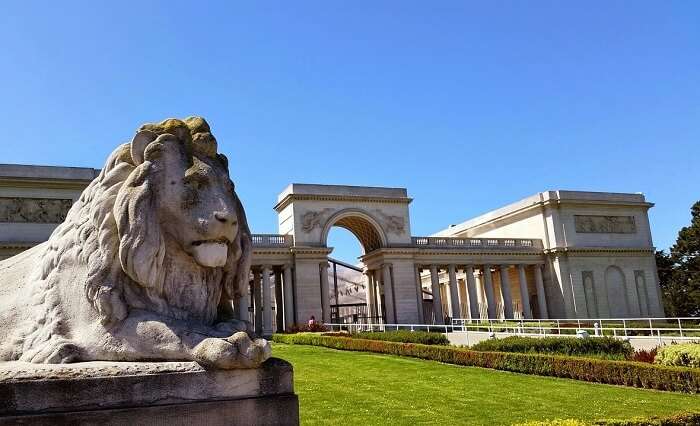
x: 130, y: 274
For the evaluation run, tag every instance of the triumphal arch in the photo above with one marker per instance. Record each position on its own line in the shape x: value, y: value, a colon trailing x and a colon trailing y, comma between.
x: 379, y: 218
x: 555, y: 254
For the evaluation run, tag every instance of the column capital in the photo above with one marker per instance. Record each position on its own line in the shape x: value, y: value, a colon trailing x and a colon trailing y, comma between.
x: 324, y: 264
x: 266, y: 267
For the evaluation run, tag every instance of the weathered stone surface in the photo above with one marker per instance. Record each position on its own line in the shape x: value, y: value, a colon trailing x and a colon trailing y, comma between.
x: 148, y: 265
x: 146, y: 393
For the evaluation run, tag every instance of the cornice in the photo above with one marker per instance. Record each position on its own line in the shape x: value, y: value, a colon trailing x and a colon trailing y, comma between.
x: 417, y: 252
x: 551, y: 203
x: 12, y: 245
x: 272, y: 251
x: 355, y: 199
x: 592, y: 250
x: 310, y: 251
x: 44, y: 183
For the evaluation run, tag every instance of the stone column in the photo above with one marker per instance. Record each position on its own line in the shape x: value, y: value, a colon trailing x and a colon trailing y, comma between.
x: 288, y: 297
x: 488, y: 289
x: 471, y: 290
x: 376, y: 285
x: 369, y: 295
x: 257, y: 295
x: 325, y: 300
x: 419, y: 294
x: 541, y: 298
x: 454, y: 292
x: 388, y: 294
x: 435, y: 288
x: 506, y: 293
x: 243, y: 304
x: 524, y: 293
x: 267, y: 301
x: 279, y: 312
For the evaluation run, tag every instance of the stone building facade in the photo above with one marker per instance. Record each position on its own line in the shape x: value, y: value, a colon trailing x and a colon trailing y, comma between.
x: 557, y: 254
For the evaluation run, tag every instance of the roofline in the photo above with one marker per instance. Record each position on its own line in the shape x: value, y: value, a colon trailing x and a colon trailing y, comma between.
x: 547, y: 198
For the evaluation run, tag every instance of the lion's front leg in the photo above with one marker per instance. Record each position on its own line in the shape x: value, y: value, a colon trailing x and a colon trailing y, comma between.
x: 145, y: 335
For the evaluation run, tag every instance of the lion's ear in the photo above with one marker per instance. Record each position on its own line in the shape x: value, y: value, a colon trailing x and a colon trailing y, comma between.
x: 139, y: 144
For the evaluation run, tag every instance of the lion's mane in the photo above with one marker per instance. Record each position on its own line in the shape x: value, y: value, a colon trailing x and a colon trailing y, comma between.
x: 101, y: 236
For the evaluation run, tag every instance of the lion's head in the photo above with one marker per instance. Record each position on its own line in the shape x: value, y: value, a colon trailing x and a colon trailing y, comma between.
x: 161, y: 227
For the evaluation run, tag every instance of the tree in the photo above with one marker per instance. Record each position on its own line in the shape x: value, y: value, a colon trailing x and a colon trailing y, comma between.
x: 679, y: 270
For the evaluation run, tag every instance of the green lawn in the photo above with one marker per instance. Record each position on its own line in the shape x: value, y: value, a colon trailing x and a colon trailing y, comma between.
x: 350, y: 388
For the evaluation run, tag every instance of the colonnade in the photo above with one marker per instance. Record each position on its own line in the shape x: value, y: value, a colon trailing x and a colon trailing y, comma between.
x: 379, y: 293
x: 470, y: 291
x: 483, y: 291
x: 269, y: 282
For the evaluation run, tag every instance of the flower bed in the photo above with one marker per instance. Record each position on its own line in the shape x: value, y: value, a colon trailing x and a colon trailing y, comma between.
x: 592, y: 370
x: 680, y: 419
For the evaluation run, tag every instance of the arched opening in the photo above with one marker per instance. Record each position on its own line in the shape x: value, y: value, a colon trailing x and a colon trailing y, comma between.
x: 351, y: 234
x: 360, y: 224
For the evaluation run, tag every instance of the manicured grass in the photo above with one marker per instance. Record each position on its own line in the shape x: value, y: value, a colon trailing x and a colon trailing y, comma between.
x: 341, y: 387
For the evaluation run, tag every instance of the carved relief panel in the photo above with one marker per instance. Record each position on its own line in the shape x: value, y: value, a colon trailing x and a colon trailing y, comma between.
x: 33, y: 210
x: 605, y: 224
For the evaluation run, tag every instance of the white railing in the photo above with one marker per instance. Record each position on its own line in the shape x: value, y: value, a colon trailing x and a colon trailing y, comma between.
x: 272, y: 240
x: 476, y: 243
x: 676, y: 329
x: 657, y: 328
x: 357, y: 327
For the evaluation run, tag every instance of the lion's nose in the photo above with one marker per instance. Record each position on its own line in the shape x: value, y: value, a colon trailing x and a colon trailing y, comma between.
x: 223, y: 217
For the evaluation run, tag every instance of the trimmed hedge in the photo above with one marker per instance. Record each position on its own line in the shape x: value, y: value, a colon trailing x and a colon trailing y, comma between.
x: 680, y: 419
x: 683, y: 355
x: 588, y: 369
x: 599, y: 347
x: 404, y: 336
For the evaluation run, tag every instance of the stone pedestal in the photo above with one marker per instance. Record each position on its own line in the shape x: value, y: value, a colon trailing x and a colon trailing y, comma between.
x: 146, y: 393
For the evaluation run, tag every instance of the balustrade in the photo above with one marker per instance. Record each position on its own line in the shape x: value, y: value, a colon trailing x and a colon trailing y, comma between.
x: 272, y: 240
x: 447, y: 242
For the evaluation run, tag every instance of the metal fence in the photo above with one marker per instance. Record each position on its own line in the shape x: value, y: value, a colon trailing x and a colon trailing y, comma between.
x: 676, y: 329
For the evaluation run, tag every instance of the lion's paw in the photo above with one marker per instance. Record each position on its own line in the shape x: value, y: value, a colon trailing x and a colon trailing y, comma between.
x: 237, y: 351
x: 57, y: 352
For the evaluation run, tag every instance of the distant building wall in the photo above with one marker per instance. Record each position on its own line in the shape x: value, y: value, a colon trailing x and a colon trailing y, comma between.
x: 34, y: 200
x: 584, y: 234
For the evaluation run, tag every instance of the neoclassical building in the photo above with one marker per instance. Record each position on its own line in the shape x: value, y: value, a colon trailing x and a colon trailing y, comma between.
x: 556, y: 254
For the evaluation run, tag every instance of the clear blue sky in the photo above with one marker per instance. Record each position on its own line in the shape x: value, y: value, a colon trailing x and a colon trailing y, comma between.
x: 469, y: 105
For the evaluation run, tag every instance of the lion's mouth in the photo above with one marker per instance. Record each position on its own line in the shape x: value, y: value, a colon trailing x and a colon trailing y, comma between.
x: 210, y: 253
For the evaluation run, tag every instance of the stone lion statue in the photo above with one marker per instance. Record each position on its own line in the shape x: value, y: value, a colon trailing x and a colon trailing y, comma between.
x: 148, y: 265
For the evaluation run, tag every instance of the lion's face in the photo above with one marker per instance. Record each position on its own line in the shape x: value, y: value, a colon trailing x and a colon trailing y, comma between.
x: 197, y: 208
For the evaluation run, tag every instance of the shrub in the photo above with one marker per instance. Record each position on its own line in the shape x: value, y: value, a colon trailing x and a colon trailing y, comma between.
x: 593, y: 370
x: 599, y: 347
x: 643, y: 355
x: 404, y: 336
x: 683, y: 355
x: 680, y: 419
